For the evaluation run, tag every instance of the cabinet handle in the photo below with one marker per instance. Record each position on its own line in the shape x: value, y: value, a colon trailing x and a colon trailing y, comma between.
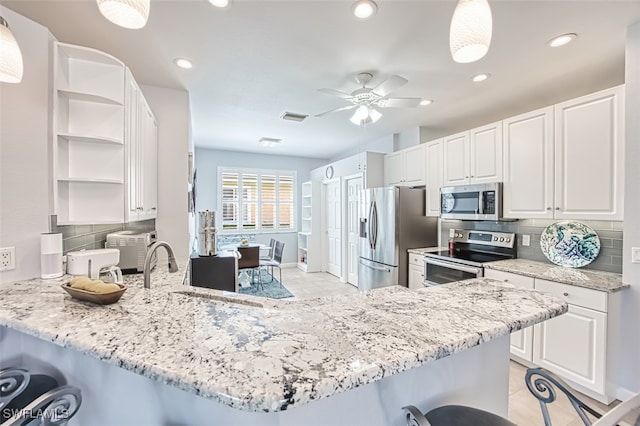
x: 557, y: 208
x: 466, y: 177
x: 506, y: 281
x: 548, y: 208
x: 472, y: 176
x: 565, y: 294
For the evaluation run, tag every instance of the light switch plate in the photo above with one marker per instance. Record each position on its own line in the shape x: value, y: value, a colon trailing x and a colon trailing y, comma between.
x: 635, y: 254
x: 526, y: 240
x: 452, y: 233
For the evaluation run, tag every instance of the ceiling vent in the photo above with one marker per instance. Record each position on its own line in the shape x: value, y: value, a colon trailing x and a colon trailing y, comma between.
x: 291, y: 116
x: 269, y: 142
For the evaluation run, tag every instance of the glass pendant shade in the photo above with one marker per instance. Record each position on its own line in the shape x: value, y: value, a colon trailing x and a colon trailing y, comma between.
x: 365, y: 115
x: 11, y: 66
x: 471, y: 27
x: 132, y: 14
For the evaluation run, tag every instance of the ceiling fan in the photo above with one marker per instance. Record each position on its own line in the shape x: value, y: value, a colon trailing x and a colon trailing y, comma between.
x: 367, y: 99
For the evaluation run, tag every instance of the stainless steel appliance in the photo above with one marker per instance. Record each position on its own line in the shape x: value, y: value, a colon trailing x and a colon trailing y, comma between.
x: 471, y: 250
x: 471, y: 202
x: 207, y: 233
x: 133, y: 249
x: 392, y: 220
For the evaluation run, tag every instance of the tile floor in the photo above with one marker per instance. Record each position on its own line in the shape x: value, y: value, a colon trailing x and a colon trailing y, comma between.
x: 524, y: 409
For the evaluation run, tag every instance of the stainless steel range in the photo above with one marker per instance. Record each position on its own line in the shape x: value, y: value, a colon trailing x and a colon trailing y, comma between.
x: 471, y: 250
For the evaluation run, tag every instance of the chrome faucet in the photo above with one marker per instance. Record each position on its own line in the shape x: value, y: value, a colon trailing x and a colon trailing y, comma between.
x: 173, y: 265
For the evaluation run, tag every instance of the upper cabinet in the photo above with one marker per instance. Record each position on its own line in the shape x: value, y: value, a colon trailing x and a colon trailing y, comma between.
x: 567, y: 161
x: 589, y: 155
x: 473, y: 156
x: 92, y: 136
x: 406, y: 167
x: 434, y: 176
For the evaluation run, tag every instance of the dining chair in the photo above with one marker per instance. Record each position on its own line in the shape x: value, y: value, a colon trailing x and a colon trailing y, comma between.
x: 249, y: 259
x: 275, y: 261
x: 272, y: 245
x: 542, y: 384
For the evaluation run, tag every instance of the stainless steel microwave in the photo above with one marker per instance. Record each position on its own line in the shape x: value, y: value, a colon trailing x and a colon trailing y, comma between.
x: 471, y: 202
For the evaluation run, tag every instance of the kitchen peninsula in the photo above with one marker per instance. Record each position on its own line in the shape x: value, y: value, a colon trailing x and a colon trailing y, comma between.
x: 231, y: 359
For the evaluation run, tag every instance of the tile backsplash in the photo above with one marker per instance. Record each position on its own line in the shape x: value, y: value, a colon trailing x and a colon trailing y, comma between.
x: 610, y: 234
x: 79, y: 237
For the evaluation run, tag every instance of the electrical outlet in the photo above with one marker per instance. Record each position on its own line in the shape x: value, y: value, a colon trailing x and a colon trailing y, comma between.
x: 526, y: 240
x: 452, y: 233
x: 635, y: 254
x: 7, y: 258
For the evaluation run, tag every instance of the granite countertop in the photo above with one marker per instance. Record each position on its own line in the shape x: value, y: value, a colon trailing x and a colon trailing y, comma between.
x: 595, y: 280
x: 426, y: 250
x: 266, y: 355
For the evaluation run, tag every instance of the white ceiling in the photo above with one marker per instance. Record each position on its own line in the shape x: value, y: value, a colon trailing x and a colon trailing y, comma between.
x: 261, y: 58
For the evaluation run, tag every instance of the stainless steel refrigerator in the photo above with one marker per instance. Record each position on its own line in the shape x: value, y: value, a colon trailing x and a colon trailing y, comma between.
x: 392, y: 220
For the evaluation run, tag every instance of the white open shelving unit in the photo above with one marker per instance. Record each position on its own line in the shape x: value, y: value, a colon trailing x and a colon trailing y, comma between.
x: 89, y: 137
x: 309, y: 241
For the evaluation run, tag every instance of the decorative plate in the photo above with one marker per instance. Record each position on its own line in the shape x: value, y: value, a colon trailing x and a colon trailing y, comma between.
x: 571, y: 244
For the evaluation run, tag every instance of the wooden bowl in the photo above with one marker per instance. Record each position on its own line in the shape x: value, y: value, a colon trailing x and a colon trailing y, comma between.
x: 99, y: 298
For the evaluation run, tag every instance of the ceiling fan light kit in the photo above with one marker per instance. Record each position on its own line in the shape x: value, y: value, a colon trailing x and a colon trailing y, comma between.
x: 11, y: 66
x: 131, y: 14
x: 364, y: 9
x: 471, y: 28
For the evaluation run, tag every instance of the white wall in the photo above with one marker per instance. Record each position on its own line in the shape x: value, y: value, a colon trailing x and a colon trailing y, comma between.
x: 24, y: 150
x: 407, y: 138
x: 172, y: 111
x: 384, y: 145
x: 629, y: 362
x: 207, y: 162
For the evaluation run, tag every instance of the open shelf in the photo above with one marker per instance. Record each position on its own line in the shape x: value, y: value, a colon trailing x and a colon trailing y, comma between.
x: 88, y: 97
x: 309, y: 237
x: 90, y: 138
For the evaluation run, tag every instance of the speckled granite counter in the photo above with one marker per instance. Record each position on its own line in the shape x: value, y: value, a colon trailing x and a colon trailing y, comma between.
x: 596, y: 280
x: 426, y: 250
x: 268, y: 355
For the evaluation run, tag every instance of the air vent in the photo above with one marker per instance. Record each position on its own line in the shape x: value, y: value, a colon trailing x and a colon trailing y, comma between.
x: 291, y: 116
x: 269, y: 142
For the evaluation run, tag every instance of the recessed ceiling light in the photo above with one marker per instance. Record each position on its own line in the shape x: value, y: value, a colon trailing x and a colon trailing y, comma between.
x: 480, y: 77
x: 183, y: 63
x: 562, y: 40
x: 364, y: 9
x: 269, y: 142
x: 220, y: 3
x: 426, y: 102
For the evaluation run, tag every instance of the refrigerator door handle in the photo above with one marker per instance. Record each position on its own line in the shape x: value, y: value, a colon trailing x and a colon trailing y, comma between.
x: 376, y: 268
x: 370, y: 236
x: 374, y: 225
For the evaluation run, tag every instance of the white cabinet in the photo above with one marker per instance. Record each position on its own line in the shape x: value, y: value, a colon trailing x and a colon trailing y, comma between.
x: 406, y: 167
x: 416, y: 271
x: 528, y: 165
x: 566, y: 161
x: 309, y: 240
x: 89, y: 141
x: 473, y: 156
x: 589, y: 156
x: 142, y: 155
x: 434, y: 177
x: 522, y: 340
x: 574, y: 344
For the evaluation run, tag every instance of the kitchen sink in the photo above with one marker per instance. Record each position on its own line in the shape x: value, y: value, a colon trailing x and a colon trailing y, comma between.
x: 226, y: 299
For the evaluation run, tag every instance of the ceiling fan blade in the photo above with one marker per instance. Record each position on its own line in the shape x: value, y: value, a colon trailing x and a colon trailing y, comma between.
x: 389, y: 85
x: 399, y: 102
x: 336, y: 93
x: 335, y: 110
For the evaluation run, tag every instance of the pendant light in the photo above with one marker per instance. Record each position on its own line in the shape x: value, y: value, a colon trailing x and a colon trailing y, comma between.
x: 471, y: 27
x: 132, y: 14
x: 10, y: 56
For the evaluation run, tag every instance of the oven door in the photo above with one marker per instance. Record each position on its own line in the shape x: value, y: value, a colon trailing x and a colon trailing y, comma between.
x: 438, y: 272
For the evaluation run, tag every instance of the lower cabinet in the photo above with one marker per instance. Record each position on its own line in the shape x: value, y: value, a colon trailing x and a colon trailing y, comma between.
x: 416, y: 271
x: 573, y: 345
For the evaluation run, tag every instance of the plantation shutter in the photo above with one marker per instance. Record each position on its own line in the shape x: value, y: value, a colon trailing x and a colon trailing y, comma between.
x: 268, y: 201
x: 285, y: 204
x: 230, y: 201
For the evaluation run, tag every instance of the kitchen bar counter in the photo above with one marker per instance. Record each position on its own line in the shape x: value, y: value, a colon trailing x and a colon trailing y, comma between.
x: 595, y: 280
x: 268, y: 355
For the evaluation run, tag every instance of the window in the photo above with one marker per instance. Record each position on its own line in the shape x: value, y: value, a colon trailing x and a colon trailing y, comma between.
x: 256, y: 200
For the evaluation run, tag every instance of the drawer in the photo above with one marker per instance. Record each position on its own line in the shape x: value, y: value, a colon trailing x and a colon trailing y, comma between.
x: 573, y: 295
x: 416, y: 259
x: 515, y: 279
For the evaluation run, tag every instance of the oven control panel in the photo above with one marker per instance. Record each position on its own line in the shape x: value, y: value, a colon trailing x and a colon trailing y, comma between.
x: 489, y: 238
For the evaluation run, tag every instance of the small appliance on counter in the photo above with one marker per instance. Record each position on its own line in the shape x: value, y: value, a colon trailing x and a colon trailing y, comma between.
x: 133, y: 249
x: 95, y: 263
x: 207, y: 233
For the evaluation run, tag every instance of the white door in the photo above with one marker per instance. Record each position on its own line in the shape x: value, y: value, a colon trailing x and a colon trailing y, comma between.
x: 485, y: 164
x: 589, y: 153
x: 333, y: 227
x: 433, y: 176
x: 528, y: 165
x: 354, y: 186
x: 456, y: 159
